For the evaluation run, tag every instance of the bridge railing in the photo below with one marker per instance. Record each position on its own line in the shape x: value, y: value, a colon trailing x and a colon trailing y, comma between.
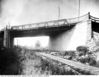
x: 94, y: 19
x: 42, y: 24
x: 79, y: 19
x: 54, y: 23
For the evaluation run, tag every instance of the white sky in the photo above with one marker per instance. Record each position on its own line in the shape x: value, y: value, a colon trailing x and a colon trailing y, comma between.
x: 16, y: 12
x: 32, y: 41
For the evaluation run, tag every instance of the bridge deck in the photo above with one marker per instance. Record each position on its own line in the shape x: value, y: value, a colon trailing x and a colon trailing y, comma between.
x: 53, y: 23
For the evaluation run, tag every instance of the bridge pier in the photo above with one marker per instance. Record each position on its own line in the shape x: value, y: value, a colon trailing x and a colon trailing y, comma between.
x: 8, y: 40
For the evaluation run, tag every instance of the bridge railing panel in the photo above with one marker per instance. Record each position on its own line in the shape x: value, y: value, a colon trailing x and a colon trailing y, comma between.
x: 94, y: 19
x: 44, y: 24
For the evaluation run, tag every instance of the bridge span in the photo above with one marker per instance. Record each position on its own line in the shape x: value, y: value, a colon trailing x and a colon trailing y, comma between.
x: 62, y: 32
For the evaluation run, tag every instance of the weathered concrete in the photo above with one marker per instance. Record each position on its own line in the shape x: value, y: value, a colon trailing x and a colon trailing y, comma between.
x: 61, y: 41
x: 8, y: 39
x: 69, y: 40
x: 81, y: 35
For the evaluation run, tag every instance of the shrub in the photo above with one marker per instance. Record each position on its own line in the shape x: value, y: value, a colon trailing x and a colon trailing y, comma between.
x: 55, y: 68
x: 82, y: 49
x: 84, y: 56
x: 70, y: 55
x: 9, y: 61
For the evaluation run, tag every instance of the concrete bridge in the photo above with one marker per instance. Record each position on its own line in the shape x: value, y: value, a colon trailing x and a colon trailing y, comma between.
x: 65, y: 34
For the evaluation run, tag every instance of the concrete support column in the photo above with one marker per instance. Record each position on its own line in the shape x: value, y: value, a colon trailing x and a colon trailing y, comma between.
x: 89, y: 32
x: 5, y: 41
x: 8, y: 41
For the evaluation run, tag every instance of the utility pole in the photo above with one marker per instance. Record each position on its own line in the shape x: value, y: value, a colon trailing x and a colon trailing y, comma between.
x: 58, y: 12
x: 78, y: 9
x: 17, y: 42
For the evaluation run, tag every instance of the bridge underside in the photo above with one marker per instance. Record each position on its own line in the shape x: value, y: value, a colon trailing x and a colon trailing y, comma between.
x: 50, y: 31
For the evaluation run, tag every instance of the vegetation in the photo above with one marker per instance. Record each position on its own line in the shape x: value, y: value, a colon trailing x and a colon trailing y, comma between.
x: 46, y: 66
x: 57, y: 68
x: 24, y: 61
x: 82, y: 54
x: 9, y: 61
x: 85, y: 56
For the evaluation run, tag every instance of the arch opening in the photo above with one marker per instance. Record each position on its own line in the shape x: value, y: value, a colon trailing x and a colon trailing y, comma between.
x: 32, y: 42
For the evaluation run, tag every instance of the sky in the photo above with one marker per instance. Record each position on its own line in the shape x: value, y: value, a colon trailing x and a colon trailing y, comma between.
x: 32, y: 42
x: 17, y: 12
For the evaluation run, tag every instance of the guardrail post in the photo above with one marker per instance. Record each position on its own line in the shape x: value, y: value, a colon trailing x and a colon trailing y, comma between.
x: 88, y: 15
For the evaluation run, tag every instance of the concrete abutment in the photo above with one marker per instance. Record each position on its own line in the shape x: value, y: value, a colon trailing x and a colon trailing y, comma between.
x: 8, y: 39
